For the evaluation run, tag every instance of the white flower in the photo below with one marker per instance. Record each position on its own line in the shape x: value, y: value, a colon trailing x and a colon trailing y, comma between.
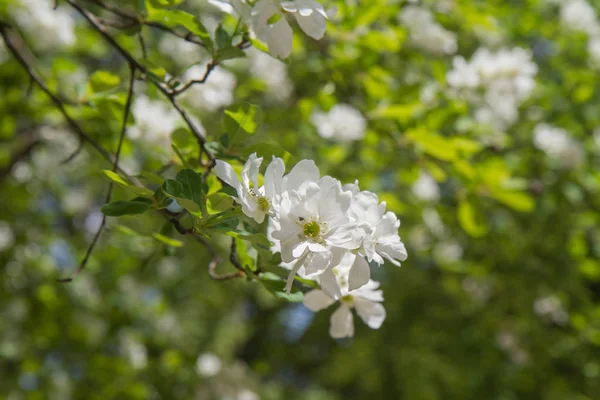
x: 208, y: 365
x: 558, y: 145
x: 496, y: 83
x: 154, y: 121
x: 310, y: 221
x: 7, y: 236
x: 310, y: 16
x: 51, y: 28
x: 342, y: 123
x: 550, y: 307
x: 366, y: 301
x: 256, y: 201
x: 579, y: 15
x: 426, y: 188
x: 214, y: 93
x: 272, y: 72
x: 267, y: 19
x: 425, y: 32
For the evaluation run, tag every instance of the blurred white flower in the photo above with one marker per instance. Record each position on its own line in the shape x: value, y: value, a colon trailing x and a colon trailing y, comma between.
x: 448, y: 251
x: 155, y: 120
x: 342, y: 123
x: 208, y: 365
x: 180, y: 51
x: 51, y: 28
x: 426, y: 188
x: 272, y: 72
x: 247, y: 395
x: 550, y: 308
x: 7, y: 236
x: 496, y: 83
x: 214, y: 93
x: 425, y: 33
x: 558, y: 145
x: 579, y: 15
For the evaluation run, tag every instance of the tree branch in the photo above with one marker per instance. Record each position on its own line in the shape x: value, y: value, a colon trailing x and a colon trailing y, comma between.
x: 159, y: 85
x: 88, y: 253
x: 58, y: 103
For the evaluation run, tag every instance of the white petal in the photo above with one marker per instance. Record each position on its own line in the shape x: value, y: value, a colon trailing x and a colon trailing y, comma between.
x: 372, y: 313
x: 313, y: 24
x: 226, y: 173
x: 305, y: 170
x: 342, y: 324
x: 329, y: 283
x: 317, y: 300
x: 317, y: 263
x: 280, y: 39
x: 273, y: 177
x: 360, y: 273
x: 250, y: 171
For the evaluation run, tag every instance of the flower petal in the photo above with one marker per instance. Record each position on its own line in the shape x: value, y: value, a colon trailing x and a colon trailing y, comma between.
x: 372, y: 313
x: 342, y: 323
x: 312, y: 24
x: 317, y: 300
x: 360, y: 273
x: 226, y: 173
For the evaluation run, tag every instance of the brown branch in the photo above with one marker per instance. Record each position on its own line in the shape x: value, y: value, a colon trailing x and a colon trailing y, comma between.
x: 72, y: 156
x: 209, y: 67
x: 159, y: 85
x: 88, y: 253
x: 58, y: 103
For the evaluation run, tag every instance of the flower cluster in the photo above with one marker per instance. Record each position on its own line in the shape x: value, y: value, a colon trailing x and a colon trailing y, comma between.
x: 343, y: 123
x: 425, y: 33
x: 51, y: 28
x: 267, y: 20
x: 496, y: 82
x: 579, y: 15
x: 324, y: 231
x: 557, y: 143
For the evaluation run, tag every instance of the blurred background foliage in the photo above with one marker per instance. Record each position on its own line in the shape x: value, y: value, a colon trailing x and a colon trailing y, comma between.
x: 499, y: 298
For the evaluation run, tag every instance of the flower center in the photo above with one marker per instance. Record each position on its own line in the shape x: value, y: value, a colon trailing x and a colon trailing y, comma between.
x: 311, y: 229
x: 347, y: 299
x: 263, y: 204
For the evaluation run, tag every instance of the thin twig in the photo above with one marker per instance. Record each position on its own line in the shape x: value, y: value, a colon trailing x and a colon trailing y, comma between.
x: 88, y: 253
x: 57, y: 102
x: 209, y: 67
x: 142, y: 44
x: 72, y: 156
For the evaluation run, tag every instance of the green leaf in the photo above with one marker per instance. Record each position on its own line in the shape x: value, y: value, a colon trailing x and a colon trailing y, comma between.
x: 470, y: 221
x: 228, y: 53
x: 167, y: 240
x: 222, y: 37
x: 175, y: 18
x: 218, y: 202
x: 255, y: 238
x: 518, y: 201
x: 435, y: 145
x: 188, y: 189
x: 276, y: 285
x: 116, y: 178
x: 241, y: 120
x: 164, y: 3
x: 126, y: 207
x: 113, y: 176
x: 103, y: 80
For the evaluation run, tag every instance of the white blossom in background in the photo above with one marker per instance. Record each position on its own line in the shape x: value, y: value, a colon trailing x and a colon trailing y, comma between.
x: 317, y: 224
x: 426, y: 188
x: 272, y: 72
x: 216, y: 92
x: 268, y: 20
x: 496, y: 83
x: 182, y: 52
x: 550, y: 308
x: 366, y: 301
x: 155, y: 120
x: 448, y: 251
x: 558, y: 144
x: 246, y: 394
x: 579, y: 15
x: 425, y: 33
x: 208, y: 365
x: 342, y: 123
x: 7, y: 236
x: 51, y: 28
